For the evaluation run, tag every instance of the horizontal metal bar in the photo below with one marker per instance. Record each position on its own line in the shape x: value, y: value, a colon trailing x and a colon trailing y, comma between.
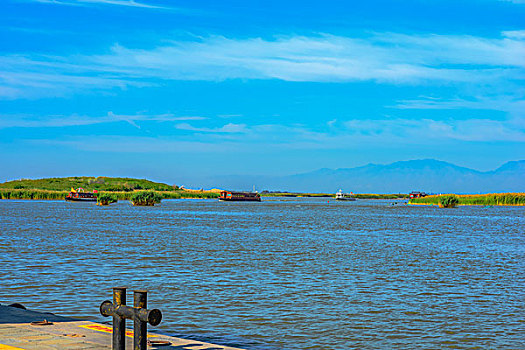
x: 153, y: 316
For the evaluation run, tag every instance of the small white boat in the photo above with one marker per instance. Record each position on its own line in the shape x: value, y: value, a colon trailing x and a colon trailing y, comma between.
x: 340, y: 196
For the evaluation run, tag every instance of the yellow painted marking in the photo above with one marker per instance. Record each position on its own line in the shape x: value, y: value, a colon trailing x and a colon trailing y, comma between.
x: 7, y: 347
x: 105, y: 329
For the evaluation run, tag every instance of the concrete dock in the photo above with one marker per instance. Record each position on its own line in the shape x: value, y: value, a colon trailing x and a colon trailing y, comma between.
x: 63, y: 333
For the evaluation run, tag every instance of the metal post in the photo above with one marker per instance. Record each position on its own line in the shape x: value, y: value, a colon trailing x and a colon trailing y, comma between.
x: 140, y: 328
x: 119, y: 323
x: 140, y: 315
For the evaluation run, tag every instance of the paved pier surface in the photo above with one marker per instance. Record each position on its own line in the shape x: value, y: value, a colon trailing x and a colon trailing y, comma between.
x: 17, y: 332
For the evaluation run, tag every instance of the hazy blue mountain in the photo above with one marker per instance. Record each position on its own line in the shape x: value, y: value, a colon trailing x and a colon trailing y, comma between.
x: 514, y: 166
x: 428, y: 175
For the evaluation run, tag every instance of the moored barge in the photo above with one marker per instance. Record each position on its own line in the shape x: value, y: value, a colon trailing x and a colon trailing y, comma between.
x: 229, y: 196
x: 79, y: 195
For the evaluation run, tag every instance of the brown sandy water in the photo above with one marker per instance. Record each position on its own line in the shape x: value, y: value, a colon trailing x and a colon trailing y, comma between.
x: 280, y: 274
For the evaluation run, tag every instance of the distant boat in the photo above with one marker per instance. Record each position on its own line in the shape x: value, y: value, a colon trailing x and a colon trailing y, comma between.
x: 417, y: 194
x: 79, y: 195
x: 340, y: 196
x: 229, y: 196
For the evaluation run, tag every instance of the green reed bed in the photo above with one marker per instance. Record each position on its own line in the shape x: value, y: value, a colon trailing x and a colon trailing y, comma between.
x: 477, y: 199
x: 450, y: 201
x: 146, y: 198
x: 178, y: 194
x: 31, y: 194
x: 106, y: 198
x: 119, y: 195
x: 191, y: 194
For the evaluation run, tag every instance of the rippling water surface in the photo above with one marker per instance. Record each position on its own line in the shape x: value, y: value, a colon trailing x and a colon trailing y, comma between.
x: 280, y: 274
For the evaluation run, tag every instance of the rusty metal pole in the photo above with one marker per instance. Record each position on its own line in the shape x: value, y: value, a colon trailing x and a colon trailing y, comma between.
x: 140, y: 315
x: 140, y: 328
x: 119, y: 323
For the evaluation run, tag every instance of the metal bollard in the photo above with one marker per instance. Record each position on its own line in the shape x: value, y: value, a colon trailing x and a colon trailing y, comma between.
x: 140, y: 315
x: 140, y: 329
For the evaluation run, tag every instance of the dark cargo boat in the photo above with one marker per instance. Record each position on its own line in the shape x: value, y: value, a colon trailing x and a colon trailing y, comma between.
x: 229, y: 196
x: 80, y: 195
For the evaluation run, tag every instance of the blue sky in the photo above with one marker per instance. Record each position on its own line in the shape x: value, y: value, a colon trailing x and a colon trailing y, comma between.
x: 178, y: 90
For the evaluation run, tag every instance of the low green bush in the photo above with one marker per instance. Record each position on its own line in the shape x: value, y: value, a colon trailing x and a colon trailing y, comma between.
x: 146, y: 198
x: 448, y: 201
x: 106, y: 199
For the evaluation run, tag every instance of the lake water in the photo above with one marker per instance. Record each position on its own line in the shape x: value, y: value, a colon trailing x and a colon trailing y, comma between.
x: 280, y: 274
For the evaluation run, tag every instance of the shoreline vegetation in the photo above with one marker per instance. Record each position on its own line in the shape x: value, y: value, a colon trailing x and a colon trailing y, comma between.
x: 146, y: 198
x: 449, y: 201
x: 491, y: 199
x: 106, y: 199
x: 126, y: 188
x: 120, y: 188
x: 38, y: 194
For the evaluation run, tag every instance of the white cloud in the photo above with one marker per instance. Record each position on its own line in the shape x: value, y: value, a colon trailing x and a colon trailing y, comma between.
x: 515, y: 34
x: 382, y: 57
x: 385, y: 57
x: 138, y: 144
x: 45, y: 76
x: 127, y: 3
x: 430, y: 130
x: 513, y: 105
x: 31, y: 121
x: 228, y: 128
x: 343, y: 135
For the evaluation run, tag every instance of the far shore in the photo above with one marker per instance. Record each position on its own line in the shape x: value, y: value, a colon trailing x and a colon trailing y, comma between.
x: 124, y: 188
x: 38, y: 194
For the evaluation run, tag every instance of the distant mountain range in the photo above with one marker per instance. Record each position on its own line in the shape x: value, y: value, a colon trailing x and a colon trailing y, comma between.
x: 427, y: 175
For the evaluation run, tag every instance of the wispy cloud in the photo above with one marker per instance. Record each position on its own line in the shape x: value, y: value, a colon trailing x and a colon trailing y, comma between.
x: 127, y: 3
x: 514, y: 105
x: 515, y: 1
x: 139, y: 144
x: 23, y: 76
x: 54, y: 121
x: 430, y: 130
x: 515, y: 34
x: 389, y: 58
x: 345, y: 134
x: 228, y: 128
x: 384, y: 57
